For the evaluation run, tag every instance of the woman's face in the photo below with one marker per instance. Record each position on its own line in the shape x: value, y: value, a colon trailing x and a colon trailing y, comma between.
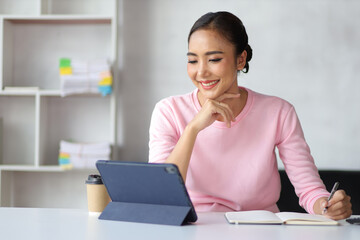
x: 212, y: 65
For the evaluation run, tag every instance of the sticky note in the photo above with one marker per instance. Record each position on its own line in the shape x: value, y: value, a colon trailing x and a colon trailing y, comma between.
x: 106, y: 81
x: 105, y: 90
x: 64, y: 161
x: 67, y: 166
x: 105, y: 74
x: 65, y: 71
x: 64, y: 155
x: 65, y: 62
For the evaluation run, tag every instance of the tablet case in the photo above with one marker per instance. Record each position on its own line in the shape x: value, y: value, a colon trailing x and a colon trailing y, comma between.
x: 146, y: 193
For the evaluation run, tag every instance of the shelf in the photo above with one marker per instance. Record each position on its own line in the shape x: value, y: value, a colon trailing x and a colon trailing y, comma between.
x: 50, y: 168
x: 25, y: 7
x: 49, y: 93
x: 34, y: 117
x: 28, y: 168
x: 59, y: 19
x: 48, y: 39
x: 57, y: 93
x: 18, y: 120
x: 84, y: 7
x: 70, y: 118
x: 45, y: 93
x: 38, y: 7
x: 18, y: 93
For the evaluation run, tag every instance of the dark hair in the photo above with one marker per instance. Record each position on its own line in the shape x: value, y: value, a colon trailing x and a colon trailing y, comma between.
x: 230, y: 27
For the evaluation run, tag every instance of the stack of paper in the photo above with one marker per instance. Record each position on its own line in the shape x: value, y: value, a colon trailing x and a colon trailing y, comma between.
x: 85, y: 77
x: 82, y: 155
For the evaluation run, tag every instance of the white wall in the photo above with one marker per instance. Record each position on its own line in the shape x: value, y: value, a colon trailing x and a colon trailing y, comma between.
x: 305, y: 51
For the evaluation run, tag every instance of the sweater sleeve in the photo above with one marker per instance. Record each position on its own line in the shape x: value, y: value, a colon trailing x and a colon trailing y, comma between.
x: 299, y: 163
x: 163, y: 133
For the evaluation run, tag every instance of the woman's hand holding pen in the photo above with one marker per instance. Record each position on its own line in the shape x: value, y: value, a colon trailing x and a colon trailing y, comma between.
x: 213, y: 110
x: 338, y: 207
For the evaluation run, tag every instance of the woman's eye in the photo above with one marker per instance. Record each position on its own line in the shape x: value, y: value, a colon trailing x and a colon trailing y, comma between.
x: 192, y: 61
x: 215, y: 60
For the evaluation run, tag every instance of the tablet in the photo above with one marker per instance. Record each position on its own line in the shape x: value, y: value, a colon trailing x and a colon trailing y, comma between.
x: 145, y: 192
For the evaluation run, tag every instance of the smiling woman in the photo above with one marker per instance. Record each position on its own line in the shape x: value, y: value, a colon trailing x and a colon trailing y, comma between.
x: 223, y: 136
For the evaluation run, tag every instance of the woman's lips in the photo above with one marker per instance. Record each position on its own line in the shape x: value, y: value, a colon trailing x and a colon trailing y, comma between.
x: 209, y: 84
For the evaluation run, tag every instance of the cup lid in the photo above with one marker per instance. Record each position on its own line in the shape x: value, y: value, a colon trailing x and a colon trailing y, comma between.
x: 94, y: 179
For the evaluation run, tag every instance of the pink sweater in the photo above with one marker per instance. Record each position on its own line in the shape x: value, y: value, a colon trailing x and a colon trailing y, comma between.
x: 235, y: 169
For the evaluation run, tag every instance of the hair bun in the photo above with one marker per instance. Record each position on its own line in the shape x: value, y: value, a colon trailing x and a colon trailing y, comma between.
x: 248, y: 50
x: 249, y: 53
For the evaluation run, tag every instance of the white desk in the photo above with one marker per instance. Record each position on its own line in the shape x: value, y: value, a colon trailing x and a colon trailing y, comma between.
x: 39, y: 223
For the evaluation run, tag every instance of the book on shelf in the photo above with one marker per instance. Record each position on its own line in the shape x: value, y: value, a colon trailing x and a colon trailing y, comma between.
x: 85, y: 76
x: 82, y: 155
x: 267, y: 217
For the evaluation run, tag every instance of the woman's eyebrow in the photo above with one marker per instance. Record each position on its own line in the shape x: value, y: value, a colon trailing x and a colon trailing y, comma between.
x: 214, y: 52
x: 207, y: 53
x: 191, y: 54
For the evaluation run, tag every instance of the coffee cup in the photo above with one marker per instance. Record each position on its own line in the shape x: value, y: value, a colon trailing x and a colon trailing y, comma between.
x: 97, y: 194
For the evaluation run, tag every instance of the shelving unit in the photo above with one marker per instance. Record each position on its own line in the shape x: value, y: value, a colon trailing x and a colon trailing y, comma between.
x: 34, y: 35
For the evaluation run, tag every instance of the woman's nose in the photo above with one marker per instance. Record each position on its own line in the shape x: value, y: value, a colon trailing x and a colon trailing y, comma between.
x: 203, y: 70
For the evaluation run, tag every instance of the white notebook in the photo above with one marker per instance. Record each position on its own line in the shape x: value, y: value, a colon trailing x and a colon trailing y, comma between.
x: 267, y: 217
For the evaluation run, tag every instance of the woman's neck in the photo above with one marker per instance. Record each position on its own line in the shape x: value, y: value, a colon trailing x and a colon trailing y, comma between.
x: 237, y: 104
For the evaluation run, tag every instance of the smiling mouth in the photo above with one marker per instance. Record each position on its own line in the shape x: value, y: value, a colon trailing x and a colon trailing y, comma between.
x: 209, y: 84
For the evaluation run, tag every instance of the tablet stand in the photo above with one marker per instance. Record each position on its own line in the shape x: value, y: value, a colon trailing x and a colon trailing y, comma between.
x: 146, y: 213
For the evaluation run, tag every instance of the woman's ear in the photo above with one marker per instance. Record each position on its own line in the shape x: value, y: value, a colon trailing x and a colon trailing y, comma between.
x: 241, y: 60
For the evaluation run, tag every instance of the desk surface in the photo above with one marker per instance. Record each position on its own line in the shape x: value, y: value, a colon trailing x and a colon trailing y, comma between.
x: 41, y: 223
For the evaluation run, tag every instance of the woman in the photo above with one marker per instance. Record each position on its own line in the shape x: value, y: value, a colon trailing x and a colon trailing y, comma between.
x: 223, y: 137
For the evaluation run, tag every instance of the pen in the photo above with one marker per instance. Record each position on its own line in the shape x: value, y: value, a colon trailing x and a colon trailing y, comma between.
x: 333, y: 190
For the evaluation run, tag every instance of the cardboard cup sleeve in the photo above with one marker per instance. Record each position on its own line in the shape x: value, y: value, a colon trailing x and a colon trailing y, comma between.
x: 97, y: 195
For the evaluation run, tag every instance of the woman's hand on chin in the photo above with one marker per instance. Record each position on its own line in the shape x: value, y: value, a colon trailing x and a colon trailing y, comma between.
x: 212, y: 110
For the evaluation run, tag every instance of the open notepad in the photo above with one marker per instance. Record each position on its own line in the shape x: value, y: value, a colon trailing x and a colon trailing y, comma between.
x: 267, y: 217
